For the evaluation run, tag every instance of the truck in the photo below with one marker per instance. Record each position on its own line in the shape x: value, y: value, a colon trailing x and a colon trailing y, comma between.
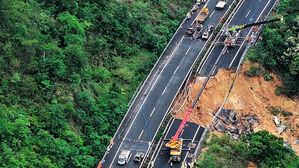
x: 202, y: 15
x: 221, y: 4
x: 124, y: 157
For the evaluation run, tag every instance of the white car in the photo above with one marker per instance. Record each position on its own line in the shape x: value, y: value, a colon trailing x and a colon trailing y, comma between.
x: 124, y: 157
x: 221, y: 4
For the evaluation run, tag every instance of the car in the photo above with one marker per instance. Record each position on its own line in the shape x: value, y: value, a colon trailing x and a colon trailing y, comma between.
x: 190, y: 30
x: 138, y: 157
x: 205, y: 35
x: 207, y: 32
x: 221, y: 4
x: 124, y: 157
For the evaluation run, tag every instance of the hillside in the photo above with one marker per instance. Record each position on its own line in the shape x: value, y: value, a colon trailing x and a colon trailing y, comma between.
x: 68, y: 69
x: 250, y: 95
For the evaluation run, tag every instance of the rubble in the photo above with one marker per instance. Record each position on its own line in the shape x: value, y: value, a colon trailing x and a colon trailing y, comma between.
x: 276, y: 121
x: 220, y: 127
x: 230, y: 123
x: 228, y: 116
x: 281, y: 129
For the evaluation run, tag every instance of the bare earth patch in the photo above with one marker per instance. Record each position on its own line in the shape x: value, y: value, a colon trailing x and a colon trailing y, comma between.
x: 250, y: 95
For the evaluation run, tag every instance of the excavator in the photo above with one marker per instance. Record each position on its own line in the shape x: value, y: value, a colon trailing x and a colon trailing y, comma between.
x: 233, y: 34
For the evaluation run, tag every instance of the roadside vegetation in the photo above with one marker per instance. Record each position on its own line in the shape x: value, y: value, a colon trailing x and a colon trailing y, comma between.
x: 68, y: 69
x: 262, y: 148
x: 279, y: 49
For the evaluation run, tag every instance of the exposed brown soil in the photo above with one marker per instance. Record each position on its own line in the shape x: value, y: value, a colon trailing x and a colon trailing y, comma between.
x: 250, y: 95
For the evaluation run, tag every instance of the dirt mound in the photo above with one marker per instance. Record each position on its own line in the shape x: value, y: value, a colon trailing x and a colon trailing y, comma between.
x: 250, y: 95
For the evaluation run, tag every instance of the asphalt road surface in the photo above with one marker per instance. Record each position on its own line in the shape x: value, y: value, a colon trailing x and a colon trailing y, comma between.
x: 154, y: 99
x: 190, y: 135
x: 250, y: 11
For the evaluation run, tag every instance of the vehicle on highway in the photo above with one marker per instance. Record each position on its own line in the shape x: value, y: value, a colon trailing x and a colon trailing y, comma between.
x: 124, y: 157
x: 202, y: 15
x: 195, y: 31
x: 221, y: 4
x: 233, y: 34
x: 175, y: 152
x: 138, y: 157
x: 207, y: 33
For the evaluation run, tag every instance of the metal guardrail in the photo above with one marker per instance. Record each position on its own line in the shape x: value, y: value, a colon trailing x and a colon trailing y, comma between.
x: 235, y: 77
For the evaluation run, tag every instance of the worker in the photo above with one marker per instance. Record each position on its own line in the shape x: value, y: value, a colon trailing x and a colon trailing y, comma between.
x: 152, y: 164
x: 188, y: 16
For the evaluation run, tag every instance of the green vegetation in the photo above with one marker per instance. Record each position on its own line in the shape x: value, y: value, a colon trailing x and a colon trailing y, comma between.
x: 279, y: 49
x: 279, y: 110
x: 223, y: 152
x: 68, y: 69
x: 262, y: 148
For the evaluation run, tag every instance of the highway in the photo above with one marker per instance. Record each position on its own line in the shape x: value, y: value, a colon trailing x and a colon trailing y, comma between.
x: 191, y: 135
x: 249, y: 11
x: 152, y: 102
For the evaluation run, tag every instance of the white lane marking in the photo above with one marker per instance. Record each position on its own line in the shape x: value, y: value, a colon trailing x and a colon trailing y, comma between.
x: 176, y: 69
x: 207, y: 57
x: 152, y: 112
x: 211, y: 14
x: 247, y: 36
x: 174, y: 51
x: 248, y: 13
x: 164, y: 90
x: 141, y: 134
x: 191, y: 142
x: 140, y: 108
x: 187, y: 50
x: 162, y: 143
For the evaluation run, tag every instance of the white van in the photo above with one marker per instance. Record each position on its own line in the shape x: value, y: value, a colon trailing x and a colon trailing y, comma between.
x: 124, y: 157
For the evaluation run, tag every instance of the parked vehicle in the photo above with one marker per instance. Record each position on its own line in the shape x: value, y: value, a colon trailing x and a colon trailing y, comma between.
x: 202, y: 16
x: 221, y: 4
x: 138, y: 157
x: 208, y: 32
x: 124, y: 157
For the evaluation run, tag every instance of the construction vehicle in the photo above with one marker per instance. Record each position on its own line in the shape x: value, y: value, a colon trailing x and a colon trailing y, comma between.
x: 175, y: 143
x: 221, y: 4
x: 233, y: 34
x: 202, y: 15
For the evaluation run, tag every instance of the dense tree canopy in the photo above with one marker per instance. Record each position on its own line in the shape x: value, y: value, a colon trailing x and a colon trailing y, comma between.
x: 279, y: 50
x: 262, y: 148
x: 68, y: 69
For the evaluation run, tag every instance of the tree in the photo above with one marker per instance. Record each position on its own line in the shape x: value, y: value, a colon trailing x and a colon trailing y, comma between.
x: 265, y: 148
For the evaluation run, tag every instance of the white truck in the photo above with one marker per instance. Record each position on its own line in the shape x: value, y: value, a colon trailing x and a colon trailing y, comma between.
x: 221, y: 4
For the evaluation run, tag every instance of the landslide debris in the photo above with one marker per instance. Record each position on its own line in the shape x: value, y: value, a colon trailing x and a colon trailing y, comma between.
x: 249, y: 96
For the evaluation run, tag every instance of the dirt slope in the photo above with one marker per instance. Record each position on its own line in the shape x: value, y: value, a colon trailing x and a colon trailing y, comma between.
x: 249, y: 95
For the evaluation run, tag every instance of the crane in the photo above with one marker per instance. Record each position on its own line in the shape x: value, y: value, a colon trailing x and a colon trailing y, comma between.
x: 232, y: 34
x: 175, y: 143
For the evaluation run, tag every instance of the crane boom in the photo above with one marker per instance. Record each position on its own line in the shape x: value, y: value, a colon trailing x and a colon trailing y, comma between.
x: 173, y: 143
x: 253, y: 24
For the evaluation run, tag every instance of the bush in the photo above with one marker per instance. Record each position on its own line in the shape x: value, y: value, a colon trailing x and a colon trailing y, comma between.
x: 254, y: 71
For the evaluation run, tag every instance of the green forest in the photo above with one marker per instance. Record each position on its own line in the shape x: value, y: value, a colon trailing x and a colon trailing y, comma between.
x: 279, y: 49
x: 68, y: 71
x: 69, y: 68
x: 262, y: 148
